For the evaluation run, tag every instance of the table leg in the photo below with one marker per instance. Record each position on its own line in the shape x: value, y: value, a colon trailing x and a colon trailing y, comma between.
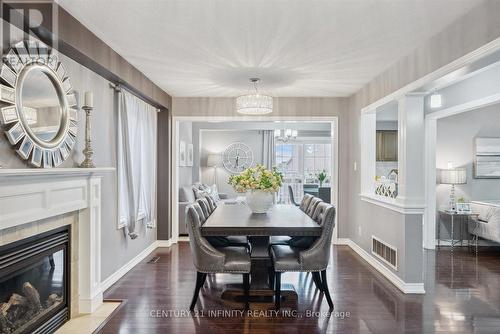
x: 461, y: 230
x: 261, y: 294
x: 452, y: 235
x: 439, y: 231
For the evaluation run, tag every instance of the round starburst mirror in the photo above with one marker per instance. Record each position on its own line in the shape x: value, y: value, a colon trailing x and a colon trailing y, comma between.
x: 38, y: 106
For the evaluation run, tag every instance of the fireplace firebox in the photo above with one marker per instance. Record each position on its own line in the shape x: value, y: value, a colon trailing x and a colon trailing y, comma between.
x: 34, y: 283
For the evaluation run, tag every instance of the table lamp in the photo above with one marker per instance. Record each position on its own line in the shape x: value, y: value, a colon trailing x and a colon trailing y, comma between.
x: 453, y: 177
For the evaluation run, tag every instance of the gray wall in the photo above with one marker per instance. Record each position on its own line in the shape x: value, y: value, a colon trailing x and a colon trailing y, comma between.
x: 455, y: 143
x: 117, y: 249
x: 216, y: 141
x: 445, y: 47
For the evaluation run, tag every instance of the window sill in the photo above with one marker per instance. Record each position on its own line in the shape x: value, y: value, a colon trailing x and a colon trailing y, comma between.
x: 392, y: 204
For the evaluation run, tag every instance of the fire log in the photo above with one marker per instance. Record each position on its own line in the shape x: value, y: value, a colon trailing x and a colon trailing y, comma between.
x: 32, y: 296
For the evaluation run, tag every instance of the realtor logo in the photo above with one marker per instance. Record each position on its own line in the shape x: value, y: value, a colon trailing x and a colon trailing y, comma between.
x: 28, y: 20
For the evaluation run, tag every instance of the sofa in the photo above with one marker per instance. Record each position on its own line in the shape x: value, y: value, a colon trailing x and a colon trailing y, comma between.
x: 486, y: 221
x: 188, y: 195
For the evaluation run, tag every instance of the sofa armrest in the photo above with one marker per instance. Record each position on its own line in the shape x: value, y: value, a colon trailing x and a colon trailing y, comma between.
x: 223, y: 196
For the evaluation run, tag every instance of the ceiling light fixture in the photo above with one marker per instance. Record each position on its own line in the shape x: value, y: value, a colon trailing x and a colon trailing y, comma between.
x: 255, y: 103
x: 285, y: 135
x: 436, y: 101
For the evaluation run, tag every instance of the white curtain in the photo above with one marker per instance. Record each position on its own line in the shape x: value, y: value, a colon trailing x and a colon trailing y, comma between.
x: 268, y: 149
x: 137, y: 122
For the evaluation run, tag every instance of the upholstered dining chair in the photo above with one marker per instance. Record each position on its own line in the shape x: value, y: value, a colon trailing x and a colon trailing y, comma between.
x: 299, y: 241
x: 313, y: 259
x: 219, y: 241
x: 210, y: 260
x: 304, y: 204
x: 211, y: 203
x: 291, y: 196
x: 203, y: 202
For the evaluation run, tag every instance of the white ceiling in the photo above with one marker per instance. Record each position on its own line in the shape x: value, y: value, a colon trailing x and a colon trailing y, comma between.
x: 297, y: 47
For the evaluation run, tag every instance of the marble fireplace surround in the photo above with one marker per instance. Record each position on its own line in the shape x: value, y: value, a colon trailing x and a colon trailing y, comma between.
x: 33, y: 201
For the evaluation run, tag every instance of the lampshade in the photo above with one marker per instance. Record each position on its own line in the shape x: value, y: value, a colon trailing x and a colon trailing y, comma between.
x: 214, y: 160
x: 453, y: 176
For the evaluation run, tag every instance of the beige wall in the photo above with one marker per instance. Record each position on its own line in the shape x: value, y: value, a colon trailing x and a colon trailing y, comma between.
x: 285, y: 107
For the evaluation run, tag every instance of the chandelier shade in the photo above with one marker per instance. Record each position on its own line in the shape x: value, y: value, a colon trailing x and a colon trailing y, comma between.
x: 254, y: 104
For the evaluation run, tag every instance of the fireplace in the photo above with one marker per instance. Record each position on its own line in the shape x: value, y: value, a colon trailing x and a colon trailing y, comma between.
x: 35, y: 283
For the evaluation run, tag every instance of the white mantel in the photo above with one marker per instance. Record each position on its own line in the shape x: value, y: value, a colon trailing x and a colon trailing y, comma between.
x: 29, y: 195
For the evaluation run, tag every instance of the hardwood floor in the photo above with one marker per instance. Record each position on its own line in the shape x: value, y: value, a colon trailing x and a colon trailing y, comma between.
x: 462, y: 296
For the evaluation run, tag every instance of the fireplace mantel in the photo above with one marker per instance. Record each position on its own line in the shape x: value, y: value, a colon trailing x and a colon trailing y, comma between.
x: 30, y: 195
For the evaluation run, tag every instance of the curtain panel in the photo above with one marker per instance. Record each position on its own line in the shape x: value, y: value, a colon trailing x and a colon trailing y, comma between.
x: 136, y: 162
x: 268, y: 149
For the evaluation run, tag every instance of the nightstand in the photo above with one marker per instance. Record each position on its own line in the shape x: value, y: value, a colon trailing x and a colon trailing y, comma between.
x: 461, y: 218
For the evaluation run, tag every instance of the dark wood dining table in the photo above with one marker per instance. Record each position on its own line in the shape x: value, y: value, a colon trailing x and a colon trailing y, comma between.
x: 236, y: 219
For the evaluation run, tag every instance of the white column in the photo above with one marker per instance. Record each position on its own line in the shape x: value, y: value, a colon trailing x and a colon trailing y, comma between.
x: 368, y: 152
x: 89, y: 246
x: 430, y: 183
x: 411, y: 159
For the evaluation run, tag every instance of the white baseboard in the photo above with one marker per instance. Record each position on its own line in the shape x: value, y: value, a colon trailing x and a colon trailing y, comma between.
x: 341, y: 241
x: 409, y: 288
x: 164, y: 243
x: 182, y: 239
x: 132, y: 263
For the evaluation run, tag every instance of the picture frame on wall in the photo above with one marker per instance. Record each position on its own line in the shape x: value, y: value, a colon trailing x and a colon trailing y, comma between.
x: 487, y: 158
x: 182, y: 153
x: 190, y: 155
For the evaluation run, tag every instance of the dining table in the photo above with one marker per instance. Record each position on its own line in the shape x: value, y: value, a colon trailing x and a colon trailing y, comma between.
x: 236, y: 219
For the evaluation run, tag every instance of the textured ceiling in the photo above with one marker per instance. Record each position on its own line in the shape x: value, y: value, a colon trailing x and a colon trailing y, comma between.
x: 297, y: 47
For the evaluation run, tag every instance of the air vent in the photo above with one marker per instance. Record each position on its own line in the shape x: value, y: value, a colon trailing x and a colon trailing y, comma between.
x: 385, y: 252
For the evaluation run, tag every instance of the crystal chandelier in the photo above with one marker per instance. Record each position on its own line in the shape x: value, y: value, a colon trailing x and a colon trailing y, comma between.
x: 254, y: 104
x: 285, y: 135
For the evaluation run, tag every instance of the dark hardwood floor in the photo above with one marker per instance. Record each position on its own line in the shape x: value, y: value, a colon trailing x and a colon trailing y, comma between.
x: 462, y: 296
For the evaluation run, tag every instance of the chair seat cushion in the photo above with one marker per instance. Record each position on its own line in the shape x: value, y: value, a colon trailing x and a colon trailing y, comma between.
x: 237, y: 259
x: 285, y: 258
x: 218, y: 241
x: 302, y: 242
x: 233, y: 240
x: 278, y: 240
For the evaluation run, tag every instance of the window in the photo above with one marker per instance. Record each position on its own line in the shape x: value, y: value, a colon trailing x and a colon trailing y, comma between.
x: 300, y: 162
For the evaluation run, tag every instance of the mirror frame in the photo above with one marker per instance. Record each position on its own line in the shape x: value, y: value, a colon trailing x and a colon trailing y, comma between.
x: 17, y: 64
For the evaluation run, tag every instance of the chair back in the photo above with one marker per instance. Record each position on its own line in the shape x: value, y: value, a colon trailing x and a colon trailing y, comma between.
x: 291, y: 196
x: 203, y: 203
x: 317, y: 256
x: 211, y: 203
x: 304, y: 204
x: 312, y: 206
x: 205, y: 257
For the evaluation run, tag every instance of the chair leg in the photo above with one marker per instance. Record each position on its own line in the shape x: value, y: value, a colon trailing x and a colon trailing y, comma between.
x: 317, y: 280
x: 200, y: 279
x: 270, y: 275
x: 246, y: 287
x: 324, y: 283
x: 277, y: 291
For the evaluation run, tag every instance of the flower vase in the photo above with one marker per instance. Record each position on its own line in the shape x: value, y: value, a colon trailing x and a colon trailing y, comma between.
x: 259, y: 201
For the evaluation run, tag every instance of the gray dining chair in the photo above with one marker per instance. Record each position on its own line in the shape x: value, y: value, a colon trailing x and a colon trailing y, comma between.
x: 313, y: 259
x: 210, y: 260
x: 299, y: 241
x: 211, y: 203
x: 220, y: 241
x: 304, y: 204
x: 291, y: 196
x: 203, y: 202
